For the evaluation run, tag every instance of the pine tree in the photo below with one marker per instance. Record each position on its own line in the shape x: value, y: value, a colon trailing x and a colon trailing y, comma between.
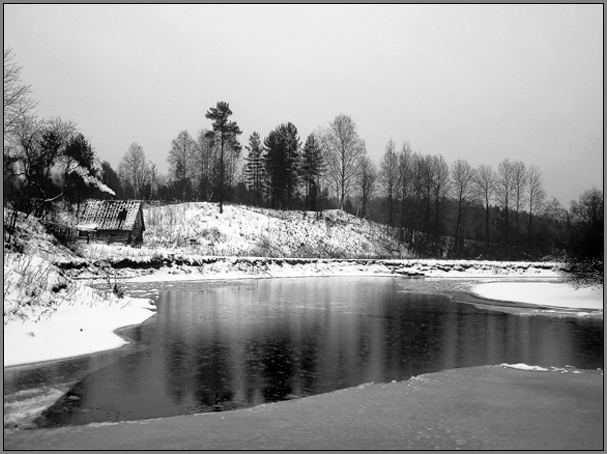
x: 282, y: 162
x: 312, y: 169
x: 227, y: 132
x: 254, y: 168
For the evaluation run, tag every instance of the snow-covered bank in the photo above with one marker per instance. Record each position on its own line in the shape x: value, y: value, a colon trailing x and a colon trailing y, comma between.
x: 72, y: 329
x: 542, y: 293
x: 195, y: 267
x: 477, y: 408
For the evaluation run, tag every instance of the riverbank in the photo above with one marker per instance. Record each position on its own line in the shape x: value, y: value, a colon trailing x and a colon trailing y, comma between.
x: 488, y: 407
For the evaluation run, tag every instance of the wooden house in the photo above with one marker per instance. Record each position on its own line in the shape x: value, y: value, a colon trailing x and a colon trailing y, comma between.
x: 112, y: 221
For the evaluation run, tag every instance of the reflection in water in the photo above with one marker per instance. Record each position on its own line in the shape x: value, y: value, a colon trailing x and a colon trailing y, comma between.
x: 239, y: 345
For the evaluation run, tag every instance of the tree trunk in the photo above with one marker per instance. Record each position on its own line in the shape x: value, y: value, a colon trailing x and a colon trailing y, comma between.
x: 221, y: 177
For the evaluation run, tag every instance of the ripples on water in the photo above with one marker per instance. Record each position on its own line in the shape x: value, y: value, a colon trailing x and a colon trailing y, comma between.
x: 224, y: 347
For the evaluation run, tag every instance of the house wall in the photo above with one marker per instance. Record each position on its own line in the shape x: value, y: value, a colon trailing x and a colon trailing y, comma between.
x: 115, y: 236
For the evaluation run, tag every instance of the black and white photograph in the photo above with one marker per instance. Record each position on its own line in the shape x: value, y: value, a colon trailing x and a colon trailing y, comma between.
x: 303, y: 227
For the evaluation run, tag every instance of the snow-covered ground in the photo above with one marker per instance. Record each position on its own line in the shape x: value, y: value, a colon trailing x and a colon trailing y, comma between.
x: 542, y: 293
x: 81, y: 327
x: 48, y: 315
x: 247, y: 231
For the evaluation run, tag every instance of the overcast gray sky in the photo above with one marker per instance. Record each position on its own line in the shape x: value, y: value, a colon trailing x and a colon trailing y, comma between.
x: 476, y: 82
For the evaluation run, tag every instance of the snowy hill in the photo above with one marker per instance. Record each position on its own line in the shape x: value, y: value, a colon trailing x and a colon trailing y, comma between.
x: 248, y: 231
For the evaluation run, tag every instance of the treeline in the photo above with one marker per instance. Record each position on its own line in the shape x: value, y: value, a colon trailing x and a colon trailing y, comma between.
x: 432, y: 207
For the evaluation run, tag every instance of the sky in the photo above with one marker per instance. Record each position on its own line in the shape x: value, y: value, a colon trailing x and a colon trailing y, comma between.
x: 481, y: 83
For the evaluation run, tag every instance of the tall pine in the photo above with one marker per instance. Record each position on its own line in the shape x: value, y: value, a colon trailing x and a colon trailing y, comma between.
x: 312, y: 168
x: 254, y: 168
x: 227, y: 131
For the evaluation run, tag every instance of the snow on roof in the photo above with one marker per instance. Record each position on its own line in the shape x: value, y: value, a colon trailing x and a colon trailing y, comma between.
x: 111, y: 214
x: 87, y: 227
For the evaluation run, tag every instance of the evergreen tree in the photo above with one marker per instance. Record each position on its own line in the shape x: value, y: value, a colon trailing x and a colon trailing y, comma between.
x: 227, y: 132
x: 283, y: 164
x: 312, y: 168
x: 254, y: 168
x: 110, y: 178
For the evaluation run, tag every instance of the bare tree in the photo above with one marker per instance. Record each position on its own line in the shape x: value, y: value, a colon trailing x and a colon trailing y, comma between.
x: 367, y: 179
x: 153, y: 179
x: 134, y: 169
x: 181, y: 159
x: 519, y: 191
x: 424, y: 177
x: 406, y: 174
x: 484, y: 189
x: 588, y: 226
x: 50, y: 161
x: 389, y: 179
x: 205, y: 157
x: 345, y: 149
x: 232, y: 167
x: 536, y: 196
x: 505, y: 189
x: 18, y: 104
x: 462, y: 176
x: 440, y: 184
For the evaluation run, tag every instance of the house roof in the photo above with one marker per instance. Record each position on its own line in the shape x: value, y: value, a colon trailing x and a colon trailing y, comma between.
x: 110, y: 214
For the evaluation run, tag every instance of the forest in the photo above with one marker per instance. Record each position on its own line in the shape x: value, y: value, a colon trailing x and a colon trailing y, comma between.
x: 423, y: 201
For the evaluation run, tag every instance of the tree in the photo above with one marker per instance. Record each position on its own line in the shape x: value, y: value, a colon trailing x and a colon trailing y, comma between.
x: 406, y: 174
x: 536, y: 196
x: 134, y: 170
x: 424, y: 177
x: 204, y: 162
x: 556, y: 227
x: 519, y: 192
x: 110, y: 178
x: 254, y: 167
x: 312, y: 168
x: 181, y: 160
x: 367, y: 179
x: 227, y: 131
x: 440, y: 188
x: 462, y: 176
x: 389, y: 178
x: 484, y: 190
x: 345, y: 149
x: 80, y: 173
x: 504, y: 191
x: 39, y: 166
x: 283, y: 163
x: 587, y: 219
x: 18, y: 104
x: 232, y: 166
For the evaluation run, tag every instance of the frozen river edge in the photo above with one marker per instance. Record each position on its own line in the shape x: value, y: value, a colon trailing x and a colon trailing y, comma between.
x: 487, y: 407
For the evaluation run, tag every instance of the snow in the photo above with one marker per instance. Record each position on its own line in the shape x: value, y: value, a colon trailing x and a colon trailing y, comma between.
x: 248, y: 231
x: 87, y: 226
x: 542, y: 293
x: 49, y: 316
x: 522, y: 366
x: 75, y: 329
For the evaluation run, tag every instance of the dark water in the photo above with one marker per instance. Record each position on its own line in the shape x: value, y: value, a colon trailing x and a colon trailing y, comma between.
x: 238, y: 345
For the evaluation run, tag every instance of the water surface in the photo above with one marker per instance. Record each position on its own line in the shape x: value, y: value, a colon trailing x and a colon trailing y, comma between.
x: 222, y: 347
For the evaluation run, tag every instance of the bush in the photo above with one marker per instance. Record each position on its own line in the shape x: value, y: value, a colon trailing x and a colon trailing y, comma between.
x: 585, y: 272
